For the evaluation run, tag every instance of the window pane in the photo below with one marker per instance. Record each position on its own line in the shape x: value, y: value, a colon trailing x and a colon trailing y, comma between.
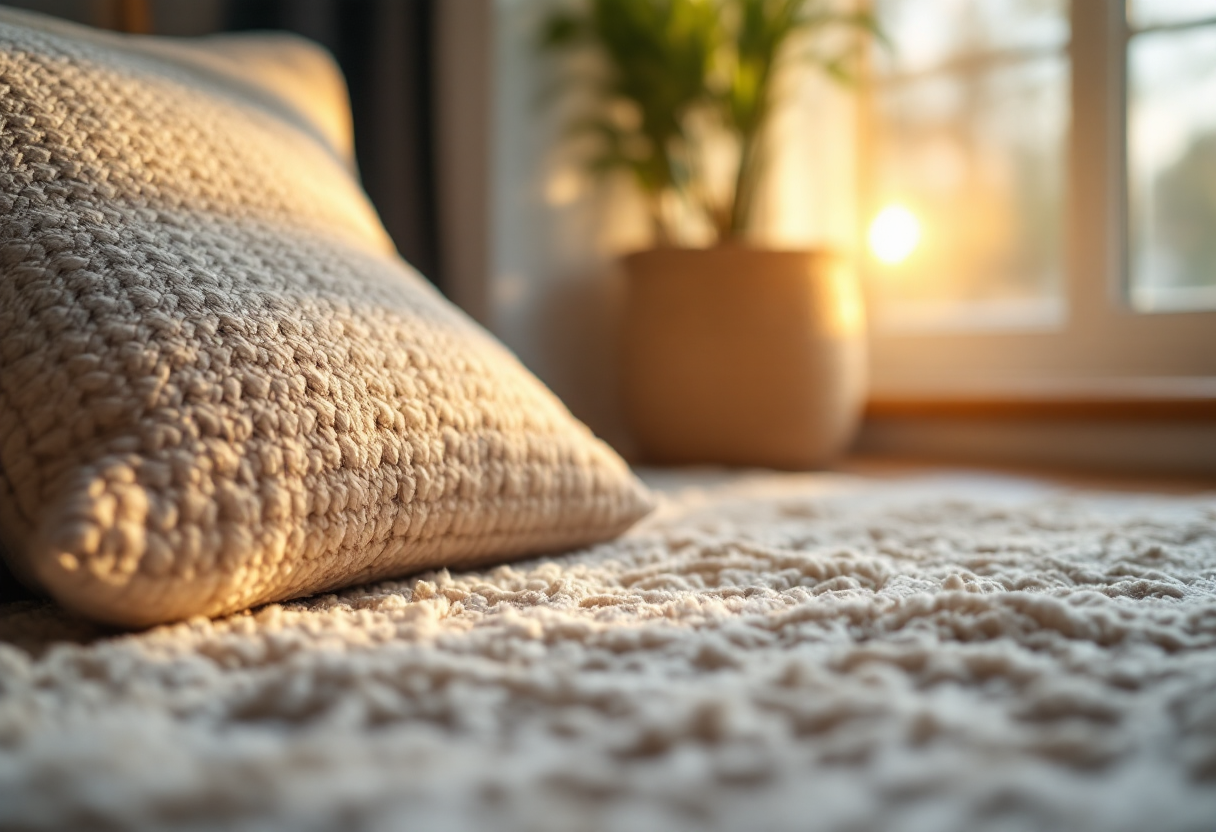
x: 1155, y: 12
x: 927, y: 33
x: 1172, y: 169
x: 977, y: 159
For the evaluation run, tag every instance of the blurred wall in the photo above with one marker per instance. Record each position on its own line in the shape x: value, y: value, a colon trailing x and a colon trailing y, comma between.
x: 464, y: 64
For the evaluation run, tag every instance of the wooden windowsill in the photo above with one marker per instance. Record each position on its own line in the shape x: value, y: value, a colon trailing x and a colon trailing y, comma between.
x: 895, y: 467
x: 1125, y: 400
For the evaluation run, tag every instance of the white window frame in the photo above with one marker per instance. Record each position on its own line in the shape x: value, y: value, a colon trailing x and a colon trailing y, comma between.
x: 1103, y: 345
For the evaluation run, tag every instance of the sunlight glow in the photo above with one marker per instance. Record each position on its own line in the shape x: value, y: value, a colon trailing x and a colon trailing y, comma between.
x: 894, y: 234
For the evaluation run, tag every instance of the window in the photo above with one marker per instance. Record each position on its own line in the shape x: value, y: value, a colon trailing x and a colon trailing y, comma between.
x: 969, y: 124
x: 1050, y: 169
x: 1172, y: 154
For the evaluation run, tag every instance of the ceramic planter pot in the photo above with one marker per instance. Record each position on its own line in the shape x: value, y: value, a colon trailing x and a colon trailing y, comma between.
x: 742, y: 356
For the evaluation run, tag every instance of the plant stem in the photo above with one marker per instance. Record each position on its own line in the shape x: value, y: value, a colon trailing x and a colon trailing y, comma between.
x: 654, y: 202
x: 752, y: 152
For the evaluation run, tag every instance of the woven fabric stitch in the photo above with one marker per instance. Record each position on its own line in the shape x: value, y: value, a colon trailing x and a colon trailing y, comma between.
x: 219, y: 386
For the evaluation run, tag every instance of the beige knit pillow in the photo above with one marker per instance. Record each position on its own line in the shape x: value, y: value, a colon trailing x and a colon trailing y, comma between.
x: 219, y: 385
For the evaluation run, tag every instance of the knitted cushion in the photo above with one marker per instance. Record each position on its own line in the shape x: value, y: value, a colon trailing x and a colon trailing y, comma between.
x: 219, y: 385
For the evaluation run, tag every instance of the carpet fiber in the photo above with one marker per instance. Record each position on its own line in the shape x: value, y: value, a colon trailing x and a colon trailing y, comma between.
x: 781, y: 652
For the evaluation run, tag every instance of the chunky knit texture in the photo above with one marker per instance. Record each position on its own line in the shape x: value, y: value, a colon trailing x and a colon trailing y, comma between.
x: 219, y: 385
x: 779, y: 654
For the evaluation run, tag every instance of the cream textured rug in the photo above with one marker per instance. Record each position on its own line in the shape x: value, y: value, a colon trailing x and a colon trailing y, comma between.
x: 767, y: 652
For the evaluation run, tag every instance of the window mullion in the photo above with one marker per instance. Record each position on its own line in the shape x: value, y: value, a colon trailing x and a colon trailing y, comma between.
x: 1097, y: 249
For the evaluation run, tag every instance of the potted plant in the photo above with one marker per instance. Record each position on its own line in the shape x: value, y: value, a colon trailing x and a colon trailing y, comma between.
x: 733, y: 353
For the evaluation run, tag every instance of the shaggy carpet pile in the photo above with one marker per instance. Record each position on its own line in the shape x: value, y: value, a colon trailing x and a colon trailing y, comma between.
x: 767, y: 652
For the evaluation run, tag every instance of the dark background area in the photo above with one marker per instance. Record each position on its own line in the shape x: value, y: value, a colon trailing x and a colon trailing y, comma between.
x: 385, y: 50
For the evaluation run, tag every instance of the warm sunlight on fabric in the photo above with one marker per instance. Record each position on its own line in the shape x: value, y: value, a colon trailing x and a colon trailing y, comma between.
x: 894, y: 234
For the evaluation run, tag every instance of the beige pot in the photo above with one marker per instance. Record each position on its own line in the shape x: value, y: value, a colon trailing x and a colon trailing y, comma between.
x: 742, y: 356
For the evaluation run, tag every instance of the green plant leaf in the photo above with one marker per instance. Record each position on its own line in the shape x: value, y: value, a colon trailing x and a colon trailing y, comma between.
x: 670, y: 62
